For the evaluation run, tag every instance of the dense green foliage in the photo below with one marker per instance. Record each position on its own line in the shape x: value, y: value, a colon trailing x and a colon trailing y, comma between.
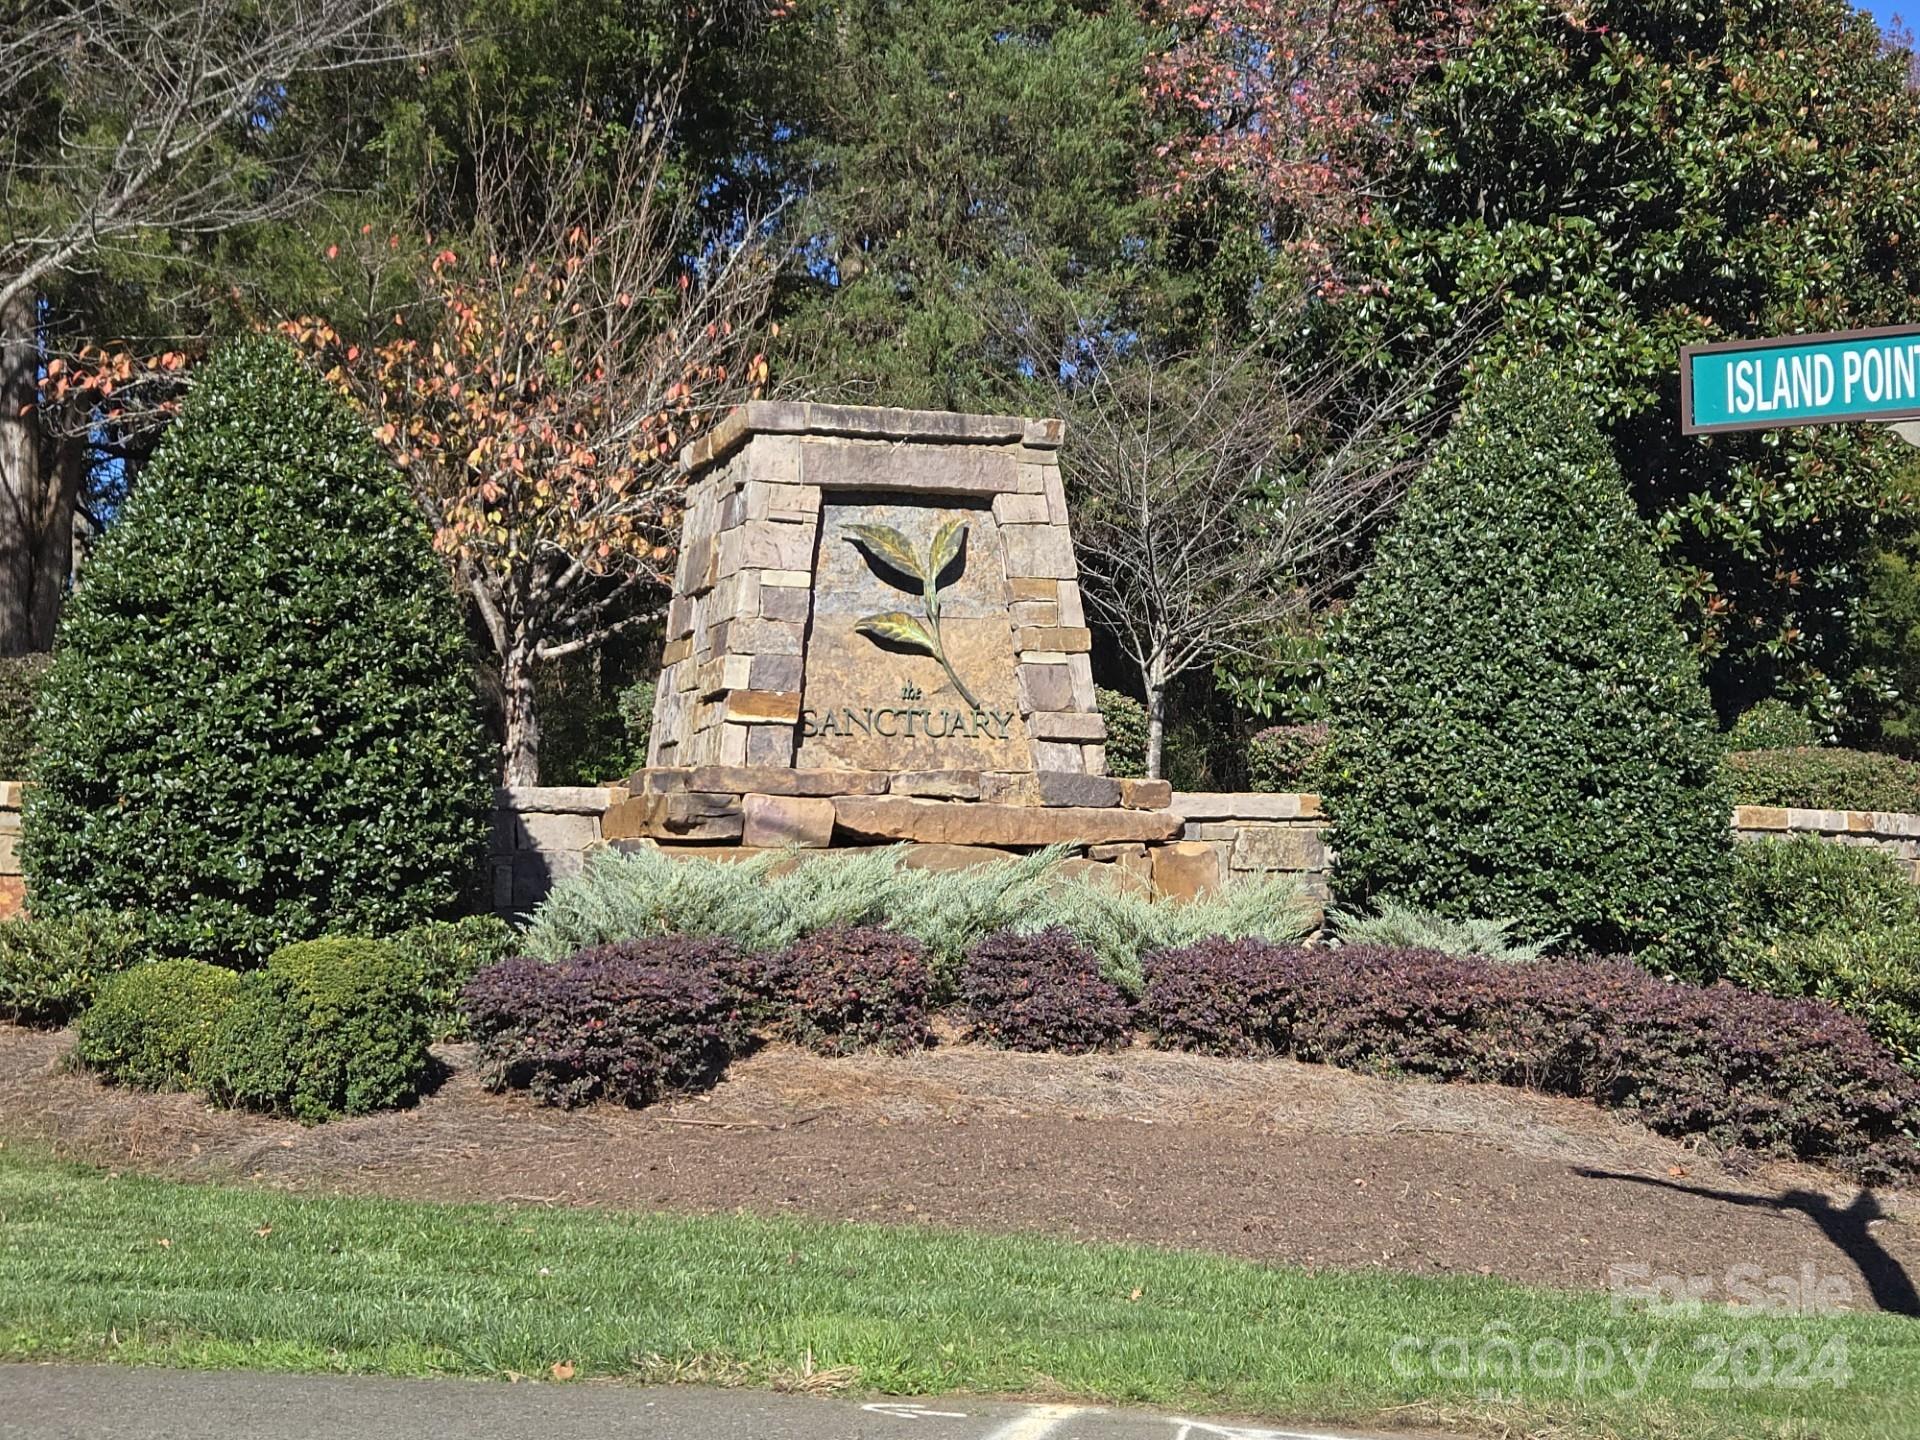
x: 1126, y: 721
x: 974, y: 189
x: 445, y: 955
x: 771, y: 901
x: 1771, y: 725
x: 1519, y: 729
x: 1612, y: 183
x: 150, y: 1026
x: 1287, y: 758
x: 20, y: 677
x: 1825, y: 779
x: 260, y: 721
x: 1840, y: 923
x: 50, y: 965
x: 328, y: 1027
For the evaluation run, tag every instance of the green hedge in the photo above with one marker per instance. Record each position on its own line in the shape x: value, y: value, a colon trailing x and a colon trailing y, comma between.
x: 1771, y: 725
x: 445, y: 955
x: 20, y: 680
x: 260, y: 722
x: 329, y: 1027
x: 50, y: 966
x: 1823, y: 779
x: 1518, y: 726
x: 151, y: 1026
x: 1285, y: 758
x: 1126, y: 720
x: 1840, y: 923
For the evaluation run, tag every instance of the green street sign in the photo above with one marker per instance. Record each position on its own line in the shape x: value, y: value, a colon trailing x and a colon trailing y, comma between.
x: 1801, y: 380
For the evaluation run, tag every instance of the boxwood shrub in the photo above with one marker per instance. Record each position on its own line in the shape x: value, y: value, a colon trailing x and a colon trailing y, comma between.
x: 630, y: 1022
x: 151, y: 1026
x: 1825, y: 779
x: 445, y: 954
x: 1285, y: 758
x: 1126, y: 721
x: 50, y: 965
x: 1771, y: 725
x: 1041, y: 992
x: 1518, y: 726
x: 329, y: 1027
x: 260, y: 721
x: 1780, y: 1077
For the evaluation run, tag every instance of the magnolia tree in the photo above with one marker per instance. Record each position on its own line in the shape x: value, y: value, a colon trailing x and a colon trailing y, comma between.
x: 538, y: 394
x: 1222, y: 498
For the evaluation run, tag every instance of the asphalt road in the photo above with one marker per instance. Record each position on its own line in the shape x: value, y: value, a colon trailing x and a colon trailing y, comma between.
x: 80, y: 1402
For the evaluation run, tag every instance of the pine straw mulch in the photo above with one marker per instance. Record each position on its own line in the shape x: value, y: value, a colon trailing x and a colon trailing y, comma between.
x: 1268, y: 1160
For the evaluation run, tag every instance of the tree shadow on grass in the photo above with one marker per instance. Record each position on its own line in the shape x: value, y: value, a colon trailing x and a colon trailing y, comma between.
x: 1888, y: 1283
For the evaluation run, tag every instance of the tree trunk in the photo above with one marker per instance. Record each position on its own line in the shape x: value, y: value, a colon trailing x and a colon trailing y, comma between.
x: 520, y: 753
x: 21, y: 487
x: 1156, y: 680
x: 53, y: 572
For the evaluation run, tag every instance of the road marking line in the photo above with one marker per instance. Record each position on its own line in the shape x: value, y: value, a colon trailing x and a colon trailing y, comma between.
x: 1189, y: 1427
x: 1039, y: 1421
x: 900, y: 1410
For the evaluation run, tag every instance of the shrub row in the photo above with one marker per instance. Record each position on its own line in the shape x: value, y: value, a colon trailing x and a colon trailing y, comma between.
x: 1813, y: 778
x: 768, y: 903
x: 1780, y: 1077
x: 50, y: 966
x: 327, y: 1027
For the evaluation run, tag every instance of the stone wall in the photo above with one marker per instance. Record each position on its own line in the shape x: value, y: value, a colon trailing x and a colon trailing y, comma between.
x: 1231, y: 836
x: 1898, y: 835
x: 541, y: 834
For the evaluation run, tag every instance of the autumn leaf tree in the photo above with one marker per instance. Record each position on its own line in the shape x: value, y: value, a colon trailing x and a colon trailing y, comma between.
x: 537, y: 395
x: 132, y: 131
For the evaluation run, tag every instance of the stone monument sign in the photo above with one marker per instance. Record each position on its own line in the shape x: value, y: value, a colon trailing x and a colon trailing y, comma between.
x: 876, y: 623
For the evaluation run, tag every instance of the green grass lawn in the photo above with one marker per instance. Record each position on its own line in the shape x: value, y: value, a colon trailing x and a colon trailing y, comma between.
x: 101, y: 1267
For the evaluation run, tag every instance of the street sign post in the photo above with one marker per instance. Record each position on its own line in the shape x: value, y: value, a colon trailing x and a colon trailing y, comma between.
x: 1832, y: 379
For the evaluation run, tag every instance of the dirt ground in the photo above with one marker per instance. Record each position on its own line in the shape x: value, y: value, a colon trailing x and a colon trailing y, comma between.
x: 1271, y: 1161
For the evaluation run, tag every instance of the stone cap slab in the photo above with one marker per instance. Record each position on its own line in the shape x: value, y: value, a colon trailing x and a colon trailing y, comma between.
x: 558, y: 799
x: 896, y: 817
x: 1243, y: 805
x: 865, y: 422
x: 1886, y: 824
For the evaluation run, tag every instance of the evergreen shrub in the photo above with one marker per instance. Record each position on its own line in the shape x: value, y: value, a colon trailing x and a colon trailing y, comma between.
x: 260, y: 723
x: 329, y: 1027
x: 1283, y: 759
x: 50, y: 965
x: 631, y: 1022
x: 1126, y: 721
x: 1825, y: 779
x: 1518, y: 725
x: 150, y: 1026
x: 445, y: 954
x: 857, y: 987
x: 1041, y: 992
x: 20, y: 680
x: 1779, y: 1077
x: 1771, y: 725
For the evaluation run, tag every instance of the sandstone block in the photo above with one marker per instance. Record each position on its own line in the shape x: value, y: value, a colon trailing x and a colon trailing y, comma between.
x: 766, y: 545
x: 1030, y: 589
x: 692, y: 815
x: 1146, y: 794
x: 1243, y: 805
x: 1039, y: 552
x: 937, y: 784
x: 1072, y: 612
x: 1062, y: 755
x: 1017, y: 509
x: 675, y: 651
x: 777, y: 780
x: 1028, y: 614
x: 1185, y: 870
x: 1010, y: 787
x: 1278, y: 847
x: 941, y: 858
x: 1059, y: 787
x: 802, y: 579
x: 1066, y: 725
x: 770, y: 745
x: 1044, y: 434
x: 776, y: 672
x: 764, y: 707
x: 785, y: 602
x: 546, y: 832
x: 560, y: 799
x: 897, y: 817
x: 1113, y: 875
x: 1055, y: 494
x: 764, y: 637
x: 776, y: 821
x: 1061, y: 639
x: 1044, y: 687
x: 920, y: 469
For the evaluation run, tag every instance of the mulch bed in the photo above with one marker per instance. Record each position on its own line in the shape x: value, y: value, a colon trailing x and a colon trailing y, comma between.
x: 1270, y: 1161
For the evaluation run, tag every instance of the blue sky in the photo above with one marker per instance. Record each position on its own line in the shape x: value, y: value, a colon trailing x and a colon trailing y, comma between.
x: 1885, y: 10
